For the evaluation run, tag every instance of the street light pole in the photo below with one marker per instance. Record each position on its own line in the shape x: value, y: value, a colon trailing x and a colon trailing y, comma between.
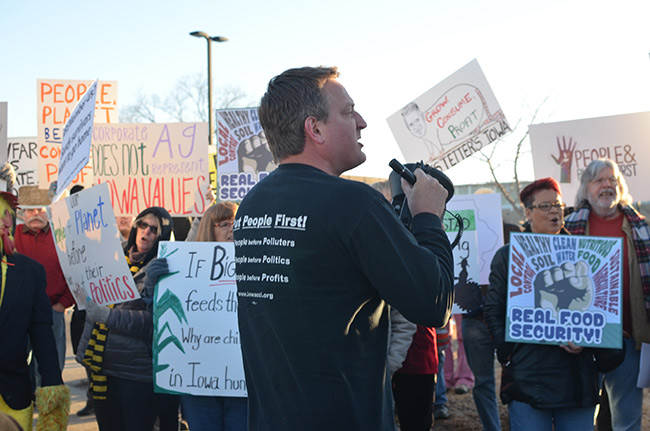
x: 209, y: 39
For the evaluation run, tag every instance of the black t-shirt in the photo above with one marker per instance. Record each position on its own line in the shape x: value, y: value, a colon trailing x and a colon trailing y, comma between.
x: 316, y: 257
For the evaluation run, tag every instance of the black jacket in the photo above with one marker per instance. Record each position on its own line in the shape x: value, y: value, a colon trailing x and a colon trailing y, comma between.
x: 544, y: 376
x: 25, y: 313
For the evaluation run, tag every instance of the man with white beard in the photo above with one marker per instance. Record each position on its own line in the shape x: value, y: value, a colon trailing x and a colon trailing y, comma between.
x: 34, y: 239
x: 604, y: 209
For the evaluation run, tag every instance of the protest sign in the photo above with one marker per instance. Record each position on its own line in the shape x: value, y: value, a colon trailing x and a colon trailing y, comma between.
x: 89, y: 250
x: 243, y: 154
x: 488, y: 224
x: 156, y: 164
x: 23, y: 156
x: 451, y: 121
x: 56, y: 100
x: 466, y: 268
x: 482, y: 237
x: 3, y: 132
x: 77, y: 136
x: 564, y: 288
x: 563, y: 150
x: 196, y: 346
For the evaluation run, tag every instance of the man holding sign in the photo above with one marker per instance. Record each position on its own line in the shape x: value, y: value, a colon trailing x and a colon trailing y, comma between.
x: 544, y: 385
x: 604, y: 209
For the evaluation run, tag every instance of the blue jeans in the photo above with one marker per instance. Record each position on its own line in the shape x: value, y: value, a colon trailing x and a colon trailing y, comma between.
x: 524, y: 417
x: 625, y: 399
x: 215, y: 413
x: 441, y: 390
x: 480, y: 356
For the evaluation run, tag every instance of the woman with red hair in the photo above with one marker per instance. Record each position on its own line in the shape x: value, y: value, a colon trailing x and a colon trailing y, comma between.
x: 545, y: 386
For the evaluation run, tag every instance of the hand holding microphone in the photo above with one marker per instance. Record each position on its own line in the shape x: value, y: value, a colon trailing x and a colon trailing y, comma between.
x: 424, y: 193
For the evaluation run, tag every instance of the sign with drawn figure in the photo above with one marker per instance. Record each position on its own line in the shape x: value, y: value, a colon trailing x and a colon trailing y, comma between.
x: 466, y: 268
x: 488, y: 219
x: 196, y: 347
x: 56, y: 101
x: 77, y: 137
x: 156, y: 164
x: 243, y: 155
x: 3, y: 131
x: 564, y: 288
x: 89, y: 250
x: 451, y: 121
x: 22, y: 153
x: 563, y: 150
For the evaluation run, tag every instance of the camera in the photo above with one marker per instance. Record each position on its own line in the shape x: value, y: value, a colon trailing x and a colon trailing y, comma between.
x: 399, y: 202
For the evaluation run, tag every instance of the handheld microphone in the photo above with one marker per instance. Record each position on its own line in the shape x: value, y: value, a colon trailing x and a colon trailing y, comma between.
x: 399, y: 201
x: 402, y: 171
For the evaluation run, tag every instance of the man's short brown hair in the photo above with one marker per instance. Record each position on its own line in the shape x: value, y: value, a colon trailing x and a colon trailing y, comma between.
x: 290, y: 99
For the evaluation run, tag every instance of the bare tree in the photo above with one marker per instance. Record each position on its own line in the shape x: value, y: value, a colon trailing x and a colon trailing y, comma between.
x: 143, y: 110
x: 187, y: 102
x: 503, y: 145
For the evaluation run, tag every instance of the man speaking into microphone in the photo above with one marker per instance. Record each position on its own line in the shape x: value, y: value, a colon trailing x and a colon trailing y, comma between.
x: 318, y: 259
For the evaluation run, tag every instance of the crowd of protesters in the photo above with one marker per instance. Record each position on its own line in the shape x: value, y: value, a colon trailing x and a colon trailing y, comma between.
x: 357, y: 335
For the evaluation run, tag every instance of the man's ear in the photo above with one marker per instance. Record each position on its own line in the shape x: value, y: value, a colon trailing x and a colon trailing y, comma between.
x: 312, y: 130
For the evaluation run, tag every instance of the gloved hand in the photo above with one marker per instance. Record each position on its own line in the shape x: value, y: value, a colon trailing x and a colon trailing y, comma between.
x: 155, y: 269
x: 97, y: 313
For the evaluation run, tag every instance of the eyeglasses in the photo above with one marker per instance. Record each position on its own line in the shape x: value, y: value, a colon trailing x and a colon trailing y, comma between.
x: 611, y: 180
x: 546, y: 206
x: 144, y: 225
x: 225, y: 224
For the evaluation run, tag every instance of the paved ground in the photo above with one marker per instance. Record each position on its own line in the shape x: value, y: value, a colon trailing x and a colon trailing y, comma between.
x: 75, y: 377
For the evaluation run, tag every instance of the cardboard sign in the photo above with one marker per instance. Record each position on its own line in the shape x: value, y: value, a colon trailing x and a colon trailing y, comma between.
x: 488, y: 219
x: 196, y: 347
x: 157, y: 164
x: 563, y: 150
x: 466, y: 270
x: 56, y: 100
x: 89, y: 250
x: 565, y: 288
x: 243, y: 155
x: 77, y: 136
x: 22, y: 153
x: 451, y: 121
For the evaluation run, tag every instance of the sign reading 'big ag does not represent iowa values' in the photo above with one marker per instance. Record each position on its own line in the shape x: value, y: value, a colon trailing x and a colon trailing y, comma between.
x: 147, y: 165
x: 564, y: 288
x: 196, y: 347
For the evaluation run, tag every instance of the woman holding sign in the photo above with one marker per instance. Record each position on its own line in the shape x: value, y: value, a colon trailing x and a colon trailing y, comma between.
x: 545, y: 386
x: 206, y: 412
x: 116, y: 343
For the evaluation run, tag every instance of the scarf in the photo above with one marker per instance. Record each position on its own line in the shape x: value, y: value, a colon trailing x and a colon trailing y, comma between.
x: 94, y: 354
x: 576, y: 223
